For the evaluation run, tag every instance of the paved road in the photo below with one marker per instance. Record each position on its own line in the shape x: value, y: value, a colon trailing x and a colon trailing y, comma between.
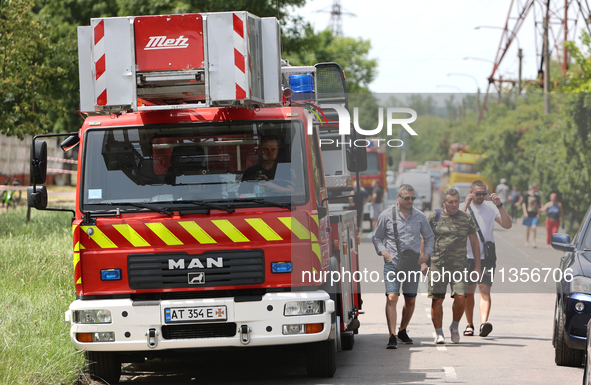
x: 518, y: 351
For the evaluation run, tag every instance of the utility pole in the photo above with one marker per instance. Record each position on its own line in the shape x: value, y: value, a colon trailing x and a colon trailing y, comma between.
x: 565, y: 52
x: 546, y: 62
x: 520, y: 56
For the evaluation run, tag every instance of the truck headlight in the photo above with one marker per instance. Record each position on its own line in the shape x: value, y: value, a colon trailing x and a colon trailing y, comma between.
x: 580, y: 284
x: 101, y: 316
x: 295, y: 308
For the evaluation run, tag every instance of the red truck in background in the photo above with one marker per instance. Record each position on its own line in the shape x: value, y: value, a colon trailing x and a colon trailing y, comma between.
x: 377, y: 166
x: 173, y: 248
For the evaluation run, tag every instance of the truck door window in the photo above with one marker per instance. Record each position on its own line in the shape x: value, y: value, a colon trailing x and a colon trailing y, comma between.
x: 317, y: 165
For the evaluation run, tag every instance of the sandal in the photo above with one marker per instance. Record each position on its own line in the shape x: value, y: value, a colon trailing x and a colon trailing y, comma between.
x: 469, y: 330
x: 485, y: 329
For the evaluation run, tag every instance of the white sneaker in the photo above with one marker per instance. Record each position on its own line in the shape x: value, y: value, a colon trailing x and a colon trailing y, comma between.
x: 455, y: 335
x: 439, y: 339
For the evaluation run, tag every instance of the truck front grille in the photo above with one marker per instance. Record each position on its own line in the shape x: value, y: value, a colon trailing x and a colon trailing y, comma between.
x: 181, y: 270
x: 180, y: 332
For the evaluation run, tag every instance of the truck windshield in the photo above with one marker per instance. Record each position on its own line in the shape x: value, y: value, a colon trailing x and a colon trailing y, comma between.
x: 373, y: 164
x: 241, y: 163
x: 465, y: 168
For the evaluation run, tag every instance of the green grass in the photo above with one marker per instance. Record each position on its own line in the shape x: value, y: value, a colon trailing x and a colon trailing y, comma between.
x: 36, y: 288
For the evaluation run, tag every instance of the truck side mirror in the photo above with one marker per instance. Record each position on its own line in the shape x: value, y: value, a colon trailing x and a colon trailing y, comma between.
x: 356, y: 156
x: 38, y: 172
x: 37, y: 197
x: 70, y: 142
x: 322, y: 212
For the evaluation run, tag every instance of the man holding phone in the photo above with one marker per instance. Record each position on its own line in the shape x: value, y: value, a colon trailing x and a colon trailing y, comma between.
x: 486, y: 211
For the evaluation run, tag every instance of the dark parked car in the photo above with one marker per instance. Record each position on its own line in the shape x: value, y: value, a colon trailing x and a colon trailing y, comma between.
x: 573, y: 295
x: 587, y: 372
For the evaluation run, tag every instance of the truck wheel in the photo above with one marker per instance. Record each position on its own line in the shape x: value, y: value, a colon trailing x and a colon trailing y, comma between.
x: 564, y: 355
x: 347, y: 340
x: 321, y: 358
x: 104, y: 366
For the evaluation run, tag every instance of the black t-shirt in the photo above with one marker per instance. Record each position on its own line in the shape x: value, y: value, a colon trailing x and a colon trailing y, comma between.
x: 253, y: 172
x: 379, y: 191
x: 533, y: 203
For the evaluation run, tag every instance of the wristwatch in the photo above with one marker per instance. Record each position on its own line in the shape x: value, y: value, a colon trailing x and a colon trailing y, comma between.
x: 380, y: 253
x: 499, y: 206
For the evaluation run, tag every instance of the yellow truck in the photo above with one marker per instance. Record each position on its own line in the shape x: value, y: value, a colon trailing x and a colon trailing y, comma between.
x: 464, y: 171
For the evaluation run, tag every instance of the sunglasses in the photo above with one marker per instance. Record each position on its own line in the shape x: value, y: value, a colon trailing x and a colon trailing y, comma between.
x: 407, y: 198
x: 481, y: 194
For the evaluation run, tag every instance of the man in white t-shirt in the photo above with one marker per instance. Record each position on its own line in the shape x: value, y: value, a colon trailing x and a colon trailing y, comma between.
x: 502, y: 191
x: 486, y: 212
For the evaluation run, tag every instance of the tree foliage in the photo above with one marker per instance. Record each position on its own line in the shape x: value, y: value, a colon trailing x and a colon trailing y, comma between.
x: 34, y: 70
x: 309, y: 48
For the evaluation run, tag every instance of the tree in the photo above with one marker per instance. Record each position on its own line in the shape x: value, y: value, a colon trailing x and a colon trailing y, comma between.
x: 309, y: 48
x: 32, y: 72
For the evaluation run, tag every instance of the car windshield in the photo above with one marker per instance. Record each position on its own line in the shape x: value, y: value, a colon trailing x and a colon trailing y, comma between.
x: 463, y: 190
x: 587, y: 239
x: 204, y: 163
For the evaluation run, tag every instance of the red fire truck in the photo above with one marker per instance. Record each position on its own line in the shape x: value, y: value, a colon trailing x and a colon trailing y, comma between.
x: 174, y: 247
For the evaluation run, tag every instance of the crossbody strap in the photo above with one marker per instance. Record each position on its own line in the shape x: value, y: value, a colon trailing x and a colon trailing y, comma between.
x: 395, y: 226
x: 477, y: 225
x: 437, y: 217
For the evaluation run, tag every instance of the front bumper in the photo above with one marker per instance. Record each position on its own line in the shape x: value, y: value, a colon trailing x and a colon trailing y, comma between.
x: 575, y: 325
x: 139, y: 325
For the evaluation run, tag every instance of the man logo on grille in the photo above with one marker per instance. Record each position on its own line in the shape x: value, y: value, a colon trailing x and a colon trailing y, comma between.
x: 196, y: 278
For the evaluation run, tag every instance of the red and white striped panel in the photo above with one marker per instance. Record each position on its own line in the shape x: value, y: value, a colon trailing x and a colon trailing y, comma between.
x: 239, y: 22
x: 98, y: 52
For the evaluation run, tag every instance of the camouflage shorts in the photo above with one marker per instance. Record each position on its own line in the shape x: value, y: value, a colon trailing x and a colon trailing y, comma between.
x: 455, y: 275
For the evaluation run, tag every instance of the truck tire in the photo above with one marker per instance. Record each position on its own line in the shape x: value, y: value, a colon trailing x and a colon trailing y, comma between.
x: 347, y: 340
x: 321, y: 358
x: 564, y: 355
x: 104, y: 366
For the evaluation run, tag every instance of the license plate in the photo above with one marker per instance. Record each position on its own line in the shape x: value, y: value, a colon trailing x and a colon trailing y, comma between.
x: 193, y: 314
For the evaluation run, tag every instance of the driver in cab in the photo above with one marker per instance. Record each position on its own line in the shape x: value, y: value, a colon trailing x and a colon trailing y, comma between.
x: 267, y: 166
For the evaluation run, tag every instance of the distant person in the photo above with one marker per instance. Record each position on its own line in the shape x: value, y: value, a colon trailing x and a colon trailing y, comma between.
x: 377, y: 198
x: 357, y: 202
x: 502, y: 191
x: 554, y: 215
x: 399, y: 248
x: 516, y: 199
x: 453, y: 230
x: 486, y: 212
x: 531, y: 212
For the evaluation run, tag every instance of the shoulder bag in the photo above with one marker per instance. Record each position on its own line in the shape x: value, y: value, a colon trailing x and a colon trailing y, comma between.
x: 490, y: 253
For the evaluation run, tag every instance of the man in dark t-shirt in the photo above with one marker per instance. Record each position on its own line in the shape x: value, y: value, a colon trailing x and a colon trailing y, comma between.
x: 265, y: 169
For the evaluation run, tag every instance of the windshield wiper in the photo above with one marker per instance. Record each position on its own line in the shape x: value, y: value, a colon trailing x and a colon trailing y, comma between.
x: 150, y: 207
x: 265, y: 202
x: 208, y: 205
x: 135, y: 204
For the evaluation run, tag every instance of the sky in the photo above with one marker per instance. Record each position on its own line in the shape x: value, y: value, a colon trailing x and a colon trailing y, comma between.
x: 419, y: 42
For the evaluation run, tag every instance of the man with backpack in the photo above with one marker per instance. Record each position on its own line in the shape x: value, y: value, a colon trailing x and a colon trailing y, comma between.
x: 449, y: 265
